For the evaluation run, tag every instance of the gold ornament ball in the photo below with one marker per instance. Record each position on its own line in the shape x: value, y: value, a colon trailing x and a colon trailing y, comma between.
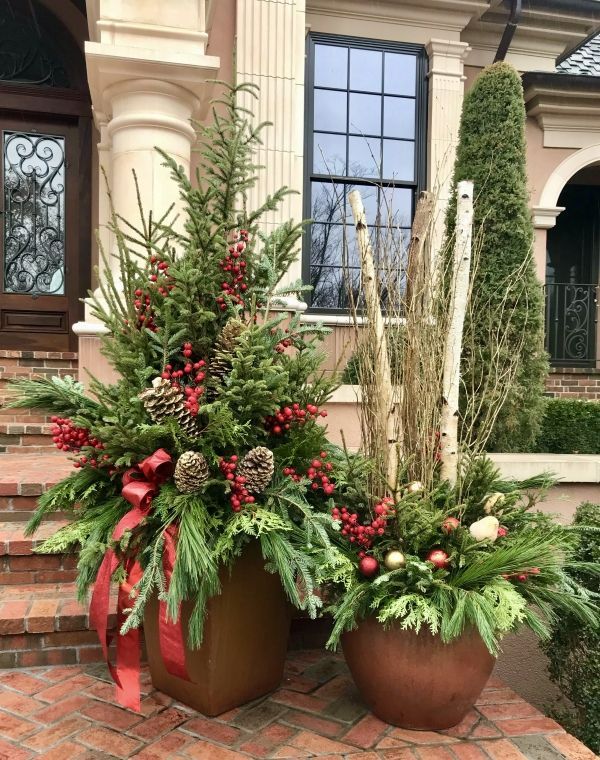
x: 394, y: 560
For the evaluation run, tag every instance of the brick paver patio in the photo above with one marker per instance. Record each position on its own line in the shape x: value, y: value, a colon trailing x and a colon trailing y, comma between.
x: 69, y: 713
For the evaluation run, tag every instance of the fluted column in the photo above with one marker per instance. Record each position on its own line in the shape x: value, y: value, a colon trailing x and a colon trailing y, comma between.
x: 446, y: 94
x: 270, y: 54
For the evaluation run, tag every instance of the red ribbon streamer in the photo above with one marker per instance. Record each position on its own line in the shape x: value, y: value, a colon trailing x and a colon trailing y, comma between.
x: 140, y: 484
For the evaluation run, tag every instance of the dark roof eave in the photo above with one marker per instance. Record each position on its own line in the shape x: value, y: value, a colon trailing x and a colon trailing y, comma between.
x: 554, y: 79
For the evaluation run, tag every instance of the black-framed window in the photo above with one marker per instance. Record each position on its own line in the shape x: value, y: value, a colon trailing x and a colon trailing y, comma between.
x: 366, y: 129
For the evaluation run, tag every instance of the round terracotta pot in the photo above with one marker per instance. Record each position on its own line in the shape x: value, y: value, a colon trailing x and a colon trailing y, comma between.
x: 243, y: 651
x: 415, y: 680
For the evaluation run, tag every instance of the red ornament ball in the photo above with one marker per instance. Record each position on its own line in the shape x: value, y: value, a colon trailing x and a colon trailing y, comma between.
x: 450, y: 524
x: 438, y: 558
x: 368, y: 566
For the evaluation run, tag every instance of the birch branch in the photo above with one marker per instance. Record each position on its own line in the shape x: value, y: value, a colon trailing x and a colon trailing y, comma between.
x: 383, y: 390
x: 459, y: 290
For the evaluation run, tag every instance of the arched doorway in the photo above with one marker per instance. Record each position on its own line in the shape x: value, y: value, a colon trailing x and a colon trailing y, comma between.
x: 45, y: 135
x: 572, y: 272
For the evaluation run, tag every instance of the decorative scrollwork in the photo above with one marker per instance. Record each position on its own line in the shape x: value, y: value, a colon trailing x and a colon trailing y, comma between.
x: 571, y: 324
x: 34, y: 213
x: 26, y: 55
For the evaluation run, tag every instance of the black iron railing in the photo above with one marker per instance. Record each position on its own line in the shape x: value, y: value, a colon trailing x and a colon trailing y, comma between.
x: 571, y: 317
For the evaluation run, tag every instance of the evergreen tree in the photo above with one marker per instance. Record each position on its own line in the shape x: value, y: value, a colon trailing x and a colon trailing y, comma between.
x: 507, y: 298
x: 209, y: 373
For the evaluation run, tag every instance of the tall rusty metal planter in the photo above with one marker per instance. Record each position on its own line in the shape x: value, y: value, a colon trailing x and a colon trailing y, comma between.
x: 415, y: 680
x: 243, y: 651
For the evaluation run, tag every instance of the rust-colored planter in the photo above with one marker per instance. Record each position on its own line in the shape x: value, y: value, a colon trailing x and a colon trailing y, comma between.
x: 245, y: 641
x: 415, y: 680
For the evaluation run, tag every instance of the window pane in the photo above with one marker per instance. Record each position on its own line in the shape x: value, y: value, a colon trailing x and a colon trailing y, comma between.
x: 331, y: 66
x: 364, y: 157
x: 400, y: 74
x: 329, y: 154
x: 365, y: 70
x: 399, y: 117
x: 396, y: 206
x: 327, y: 245
x: 331, y: 287
x: 398, y: 160
x: 327, y: 202
x: 34, y: 213
x: 330, y: 111
x: 365, y: 114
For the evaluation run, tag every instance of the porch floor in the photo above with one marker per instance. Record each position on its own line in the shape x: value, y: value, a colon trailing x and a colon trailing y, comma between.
x: 69, y: 712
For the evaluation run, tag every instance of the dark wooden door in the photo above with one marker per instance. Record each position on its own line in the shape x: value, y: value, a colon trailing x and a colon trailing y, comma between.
x: 42, y: 209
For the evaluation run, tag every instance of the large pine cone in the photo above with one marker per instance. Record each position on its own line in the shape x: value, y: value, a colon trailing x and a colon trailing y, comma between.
x: 257, y: 467
x: 191, y: 471
x: 162, y: 401
x: 220, y: 364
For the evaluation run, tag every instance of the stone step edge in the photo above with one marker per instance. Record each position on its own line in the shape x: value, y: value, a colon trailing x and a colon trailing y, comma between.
x: 14, y: 542
x: 57, y: 614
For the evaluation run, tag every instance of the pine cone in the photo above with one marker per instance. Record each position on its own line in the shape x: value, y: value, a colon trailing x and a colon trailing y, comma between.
x: 163, y: 401
x: 191, y: 471
x: 257, y: 467
x: 226, y: 341
x: 220, y: 365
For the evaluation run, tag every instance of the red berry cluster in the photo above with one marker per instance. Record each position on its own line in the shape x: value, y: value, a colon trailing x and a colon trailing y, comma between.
x: 319, y: 473
x: 521, y: 577
x: 284, y: 342
x: 239, y: 493
x: 364, y: 534
x: 188, y: 379
x: 67, y: 437
x: 234, y: 265
x: 162, y: 283
x: 278, y: 423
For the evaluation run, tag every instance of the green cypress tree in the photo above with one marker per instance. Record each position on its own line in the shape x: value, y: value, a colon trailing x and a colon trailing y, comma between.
x: 506, y: 314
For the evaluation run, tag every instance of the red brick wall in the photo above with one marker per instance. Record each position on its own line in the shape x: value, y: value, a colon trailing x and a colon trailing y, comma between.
x: 26, y: 364
x: 574, y: 382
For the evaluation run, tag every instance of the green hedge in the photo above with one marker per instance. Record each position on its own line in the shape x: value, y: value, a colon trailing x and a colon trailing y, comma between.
x: 574, y: 649
x: 569, y: 426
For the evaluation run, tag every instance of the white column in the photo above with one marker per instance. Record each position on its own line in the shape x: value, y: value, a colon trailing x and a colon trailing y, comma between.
x: 446, y: 94
x: 270, y: 54
x: 146, y: 114
x: 148, y: 71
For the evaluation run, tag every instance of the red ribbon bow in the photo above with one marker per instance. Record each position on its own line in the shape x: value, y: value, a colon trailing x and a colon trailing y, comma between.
x: 140, y: 485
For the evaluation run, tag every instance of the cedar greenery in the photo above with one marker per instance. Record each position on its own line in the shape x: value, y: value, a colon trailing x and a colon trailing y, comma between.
x: 491, y: 152
x: 166, y: 303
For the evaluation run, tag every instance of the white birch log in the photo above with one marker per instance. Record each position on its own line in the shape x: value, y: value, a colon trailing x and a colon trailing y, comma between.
x: 383, y: 390
x: 459, y: 288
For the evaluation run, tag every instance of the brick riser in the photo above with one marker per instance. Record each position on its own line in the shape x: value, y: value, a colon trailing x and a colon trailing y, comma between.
x: 43, y: 624
x: 574, y: 382
x: 16, y: 365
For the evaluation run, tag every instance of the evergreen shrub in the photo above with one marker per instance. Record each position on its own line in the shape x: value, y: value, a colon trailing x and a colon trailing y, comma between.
x: 574, y: 648
x: 569, y: 426
x: 492, y: 153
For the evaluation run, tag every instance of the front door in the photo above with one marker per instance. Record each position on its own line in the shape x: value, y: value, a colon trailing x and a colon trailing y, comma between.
x: 40, y: 214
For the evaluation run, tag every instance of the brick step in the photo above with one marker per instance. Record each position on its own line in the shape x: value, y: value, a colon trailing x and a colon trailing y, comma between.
x: 43, y: 624
x: 25, y: 438
x: 20, y: 565
x: 24, y: 477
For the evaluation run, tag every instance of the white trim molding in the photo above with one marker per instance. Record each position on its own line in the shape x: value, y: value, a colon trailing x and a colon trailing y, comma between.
x: 544, y: 218
x: 563, y: 173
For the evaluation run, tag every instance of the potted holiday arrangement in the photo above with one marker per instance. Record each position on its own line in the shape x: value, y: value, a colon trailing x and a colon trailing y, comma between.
x: 436, y: 556
x: 193, y: 483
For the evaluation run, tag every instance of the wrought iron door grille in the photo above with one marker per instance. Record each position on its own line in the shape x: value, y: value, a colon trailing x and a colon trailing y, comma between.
x: 571, y: 317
